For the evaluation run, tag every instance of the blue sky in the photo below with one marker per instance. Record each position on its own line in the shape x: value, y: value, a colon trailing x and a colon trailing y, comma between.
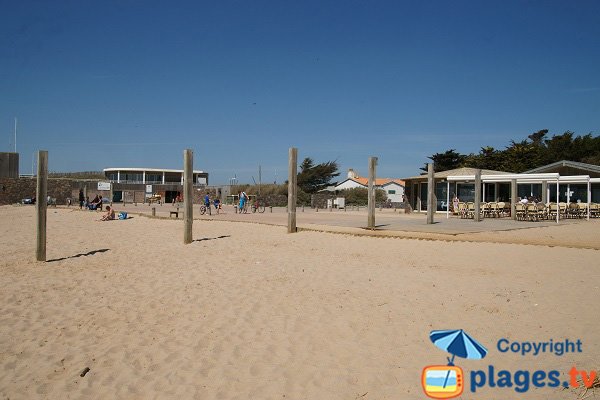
x: 128, y: 84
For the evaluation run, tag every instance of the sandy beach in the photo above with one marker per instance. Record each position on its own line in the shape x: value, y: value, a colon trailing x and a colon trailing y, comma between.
x: 249, y: 312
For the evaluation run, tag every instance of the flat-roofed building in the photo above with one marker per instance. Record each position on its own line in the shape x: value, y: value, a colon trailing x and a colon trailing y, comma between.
x: 137, y: 184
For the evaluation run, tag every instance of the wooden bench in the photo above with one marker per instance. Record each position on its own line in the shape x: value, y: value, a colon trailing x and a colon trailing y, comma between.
x: 175, y: 213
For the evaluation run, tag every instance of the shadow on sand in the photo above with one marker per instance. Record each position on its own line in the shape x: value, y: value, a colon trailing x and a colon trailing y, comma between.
x: 89, y: 253
x: 218, y: 237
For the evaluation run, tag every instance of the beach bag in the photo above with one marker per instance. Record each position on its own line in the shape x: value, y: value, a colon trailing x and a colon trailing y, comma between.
x: 122, y: 215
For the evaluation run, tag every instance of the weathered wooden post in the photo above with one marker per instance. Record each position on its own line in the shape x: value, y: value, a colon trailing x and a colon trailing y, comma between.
x: 477, y: 217
x: 371, y: 193
x: 154, y: 211
x: 430, y: 194
x: 41, y: 204
x: 292, y: 192
x: 513, y: 199
x: 188, y: 205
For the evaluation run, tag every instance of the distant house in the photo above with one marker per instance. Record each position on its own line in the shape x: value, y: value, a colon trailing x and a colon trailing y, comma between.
x: 394, y: 188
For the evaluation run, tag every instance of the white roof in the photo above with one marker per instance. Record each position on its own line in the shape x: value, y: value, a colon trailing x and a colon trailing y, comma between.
x: 525, y: 178
x: 148, y: 170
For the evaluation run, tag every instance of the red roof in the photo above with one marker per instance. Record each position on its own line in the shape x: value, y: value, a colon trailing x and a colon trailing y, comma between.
x: 378, y: 181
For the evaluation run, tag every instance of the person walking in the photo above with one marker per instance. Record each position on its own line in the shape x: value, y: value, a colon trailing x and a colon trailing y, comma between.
x: 81, y: 199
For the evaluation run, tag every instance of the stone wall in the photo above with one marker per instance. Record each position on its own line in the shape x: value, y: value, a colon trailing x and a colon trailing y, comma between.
x: 13, y: 190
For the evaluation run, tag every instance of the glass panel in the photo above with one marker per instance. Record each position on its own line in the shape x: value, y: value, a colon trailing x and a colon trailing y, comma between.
x: 466, y: 191
x: 531, y: 191
x: 578, y: 193
x: 441, y: 190
x: 595, y: 192
x: 423, y: 196
x: 391, y: 192
x: 154, y: 178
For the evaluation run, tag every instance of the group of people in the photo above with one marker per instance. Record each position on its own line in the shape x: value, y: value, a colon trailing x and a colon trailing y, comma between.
x: 216, y: 202
x: 95, y: 204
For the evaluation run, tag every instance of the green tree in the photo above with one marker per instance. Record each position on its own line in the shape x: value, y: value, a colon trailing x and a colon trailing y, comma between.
x: 450, y: 159
x: 313, y: 178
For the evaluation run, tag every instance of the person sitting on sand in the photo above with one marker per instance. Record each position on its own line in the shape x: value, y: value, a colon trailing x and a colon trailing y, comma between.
x: 110, y: 214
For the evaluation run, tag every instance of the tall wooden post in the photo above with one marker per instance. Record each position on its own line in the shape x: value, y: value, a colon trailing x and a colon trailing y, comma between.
x: 41, y: 204
x: 188, y: 201
x: 513, y: 199
x: 477, y: 217
x: 292, y: 192
x: 430, y: 194
x: 371, y: 193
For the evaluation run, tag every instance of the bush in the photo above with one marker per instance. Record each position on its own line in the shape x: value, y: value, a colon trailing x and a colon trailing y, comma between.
x: 360, y: 196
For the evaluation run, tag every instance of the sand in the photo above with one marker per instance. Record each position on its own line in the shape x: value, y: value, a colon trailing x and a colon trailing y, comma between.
x: 249, y: 312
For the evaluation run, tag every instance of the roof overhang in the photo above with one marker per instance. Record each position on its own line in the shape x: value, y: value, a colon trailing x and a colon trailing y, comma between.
x: 148, y: 170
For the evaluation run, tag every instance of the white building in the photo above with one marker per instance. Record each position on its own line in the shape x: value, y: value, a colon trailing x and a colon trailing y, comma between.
x: 394, y: 188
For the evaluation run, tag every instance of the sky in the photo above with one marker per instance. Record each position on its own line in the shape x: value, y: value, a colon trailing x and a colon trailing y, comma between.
x: 134, y: 83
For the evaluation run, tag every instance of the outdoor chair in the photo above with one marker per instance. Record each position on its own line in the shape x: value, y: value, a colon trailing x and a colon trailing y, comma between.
x: 520, y: 211
x: 462, y: 210
x: 582, y: 210
x: 542, y: 211
x: 572, y: 210
x: 531, y: 212
x: 563, y: 209
x: 470, y: 209
x: 486, y: 209
x: 553, y: 210
x: 494, y: 210
x: 594, y: 210
x: 501, y: 209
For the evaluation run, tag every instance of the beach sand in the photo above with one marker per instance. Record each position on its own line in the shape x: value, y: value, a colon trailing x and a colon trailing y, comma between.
x: 249, y: 312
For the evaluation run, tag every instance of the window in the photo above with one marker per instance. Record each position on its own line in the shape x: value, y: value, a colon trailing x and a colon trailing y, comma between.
x: 391, y: 192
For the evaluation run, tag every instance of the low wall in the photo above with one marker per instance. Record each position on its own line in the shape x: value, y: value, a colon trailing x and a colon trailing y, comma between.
x: 13, y: 190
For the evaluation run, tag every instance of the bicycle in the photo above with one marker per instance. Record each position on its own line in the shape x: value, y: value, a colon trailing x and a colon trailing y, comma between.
x: 203, y: 209
x: 258, y: 206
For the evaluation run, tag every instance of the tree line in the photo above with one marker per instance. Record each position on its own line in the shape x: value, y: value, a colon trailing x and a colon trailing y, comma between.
x: 535, y: 151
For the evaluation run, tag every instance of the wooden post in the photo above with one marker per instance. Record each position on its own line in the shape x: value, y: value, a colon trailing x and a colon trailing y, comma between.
x: 154, y: 211
x: 271, y: 209
x: 302, y: 207
x: 188, y: 204
x: 513, y: 199
x: 477, y: 217
x: 371, y: 193
x: 292, y: 193
x: 430, y: 194
x: 41, y: 204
